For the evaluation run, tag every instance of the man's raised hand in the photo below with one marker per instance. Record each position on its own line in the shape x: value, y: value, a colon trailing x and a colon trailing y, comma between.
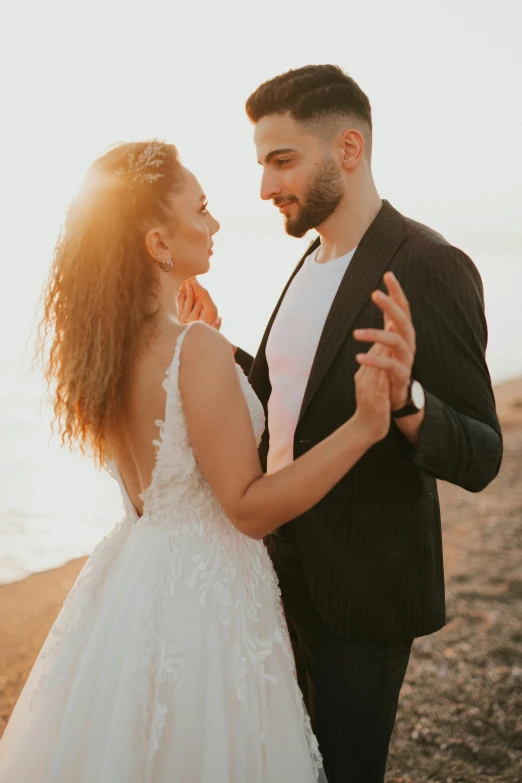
x: 398, y: 337
x: 194, y: 303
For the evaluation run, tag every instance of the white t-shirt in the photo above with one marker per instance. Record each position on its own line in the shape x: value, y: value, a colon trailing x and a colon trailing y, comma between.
x: 291, y: 349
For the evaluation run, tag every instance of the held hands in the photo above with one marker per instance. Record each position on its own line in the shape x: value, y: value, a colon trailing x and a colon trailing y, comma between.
x: 372, y: 389
x: 397, y: 341
x: 194, y: 303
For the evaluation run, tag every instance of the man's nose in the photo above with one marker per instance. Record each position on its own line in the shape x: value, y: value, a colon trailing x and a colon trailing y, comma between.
x: 269, y: 187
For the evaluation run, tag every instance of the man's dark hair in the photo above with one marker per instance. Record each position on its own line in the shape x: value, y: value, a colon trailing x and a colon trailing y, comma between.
x: 310, y: 94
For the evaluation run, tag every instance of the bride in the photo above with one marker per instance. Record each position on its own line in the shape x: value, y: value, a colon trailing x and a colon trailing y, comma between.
x: 170, y: 660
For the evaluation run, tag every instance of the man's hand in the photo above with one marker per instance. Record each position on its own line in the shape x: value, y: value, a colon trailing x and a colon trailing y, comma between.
x: 398, y: 337
x: 194, y: 303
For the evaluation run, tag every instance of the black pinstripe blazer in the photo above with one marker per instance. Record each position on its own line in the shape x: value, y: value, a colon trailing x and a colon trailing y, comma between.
x: 371, y: 551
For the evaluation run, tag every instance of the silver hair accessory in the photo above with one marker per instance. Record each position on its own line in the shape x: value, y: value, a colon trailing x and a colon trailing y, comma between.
x: 140, y: 168
x: 165, y: 264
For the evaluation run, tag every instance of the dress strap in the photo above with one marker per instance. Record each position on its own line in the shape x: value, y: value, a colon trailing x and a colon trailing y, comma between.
x: 179, y: 345
x: 173, y: 370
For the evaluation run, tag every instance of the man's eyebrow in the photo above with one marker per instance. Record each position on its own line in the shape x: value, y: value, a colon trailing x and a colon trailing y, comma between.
x: 277, y: 152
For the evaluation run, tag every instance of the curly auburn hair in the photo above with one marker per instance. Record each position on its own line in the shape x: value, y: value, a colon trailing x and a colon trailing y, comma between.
x: 97, y: 300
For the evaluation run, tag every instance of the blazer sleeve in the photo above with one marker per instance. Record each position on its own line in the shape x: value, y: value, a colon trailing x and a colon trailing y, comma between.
x: 244, y: 360
x: 460, y: 439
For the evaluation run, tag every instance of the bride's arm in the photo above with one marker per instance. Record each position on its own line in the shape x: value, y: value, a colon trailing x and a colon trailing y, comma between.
x: 220, y: 430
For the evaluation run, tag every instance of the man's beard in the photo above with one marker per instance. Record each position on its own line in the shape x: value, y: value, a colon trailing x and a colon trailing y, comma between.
x: 323, y: 196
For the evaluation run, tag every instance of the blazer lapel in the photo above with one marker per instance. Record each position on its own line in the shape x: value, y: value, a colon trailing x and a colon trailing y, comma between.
x: 259, y: 377
x: 373, y: 255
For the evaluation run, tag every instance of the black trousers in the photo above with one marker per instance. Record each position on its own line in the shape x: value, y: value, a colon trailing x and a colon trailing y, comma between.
x: 351, y: 688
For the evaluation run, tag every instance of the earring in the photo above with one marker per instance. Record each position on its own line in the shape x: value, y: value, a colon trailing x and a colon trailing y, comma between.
x: 165, y: 264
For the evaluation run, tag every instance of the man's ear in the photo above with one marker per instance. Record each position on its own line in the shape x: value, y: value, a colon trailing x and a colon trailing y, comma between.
x: 352, y: 149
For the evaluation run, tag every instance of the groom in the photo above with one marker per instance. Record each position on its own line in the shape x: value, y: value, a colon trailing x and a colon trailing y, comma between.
x: 361, y: 574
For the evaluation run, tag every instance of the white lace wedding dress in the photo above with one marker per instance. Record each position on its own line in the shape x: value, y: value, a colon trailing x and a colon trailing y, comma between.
x: 170, y: 660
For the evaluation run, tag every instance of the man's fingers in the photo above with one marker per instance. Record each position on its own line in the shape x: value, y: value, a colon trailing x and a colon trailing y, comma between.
x: 396, y: 291
x: 196, y: 312
x: 199, y: 291
x: 180, y: 303
x: 392, y: 340
x: 188, y: 304
x: 390, y: 308
x: 198, y: 288
x: 400, y: 371
x: 202, y: 294
x: 207, y: 316
x: 392, y: 312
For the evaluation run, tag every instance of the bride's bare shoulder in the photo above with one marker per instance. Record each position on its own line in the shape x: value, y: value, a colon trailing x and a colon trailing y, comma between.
x: 201, y: 345
x: 205, y: 350
x: 202, y: 337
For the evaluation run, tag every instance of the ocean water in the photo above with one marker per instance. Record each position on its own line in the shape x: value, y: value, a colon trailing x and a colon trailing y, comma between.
x: 55, y: 506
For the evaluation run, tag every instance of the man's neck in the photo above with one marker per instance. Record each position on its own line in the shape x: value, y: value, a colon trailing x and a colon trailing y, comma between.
x: 344, y: 229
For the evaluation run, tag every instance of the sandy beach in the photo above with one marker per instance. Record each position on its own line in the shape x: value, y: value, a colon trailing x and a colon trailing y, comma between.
x: 460, y: 717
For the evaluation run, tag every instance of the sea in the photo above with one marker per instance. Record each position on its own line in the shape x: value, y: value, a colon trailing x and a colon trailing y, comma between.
x: 55, y: 506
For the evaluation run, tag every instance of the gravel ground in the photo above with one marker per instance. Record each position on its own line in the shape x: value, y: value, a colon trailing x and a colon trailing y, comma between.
x: 460, y: 714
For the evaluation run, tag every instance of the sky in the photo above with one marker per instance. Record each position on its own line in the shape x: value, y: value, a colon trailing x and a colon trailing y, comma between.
x: 444, y: 79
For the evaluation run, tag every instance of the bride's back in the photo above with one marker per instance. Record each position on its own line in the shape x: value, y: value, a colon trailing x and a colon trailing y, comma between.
x: 133, y: 449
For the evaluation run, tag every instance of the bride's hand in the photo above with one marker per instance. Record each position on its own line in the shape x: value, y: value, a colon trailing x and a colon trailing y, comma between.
x: 372, y: 389
x: 194, y: 303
